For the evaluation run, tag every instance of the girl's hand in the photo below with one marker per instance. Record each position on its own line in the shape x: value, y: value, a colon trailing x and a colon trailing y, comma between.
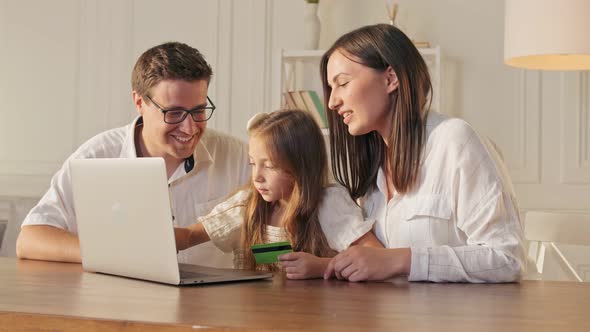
x: 189, y: 236
x: 359, y: 263
x: 182, y: 236
x: 301, y: 265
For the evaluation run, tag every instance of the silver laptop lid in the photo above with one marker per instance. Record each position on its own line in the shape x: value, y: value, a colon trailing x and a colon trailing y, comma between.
x: 124, y: 218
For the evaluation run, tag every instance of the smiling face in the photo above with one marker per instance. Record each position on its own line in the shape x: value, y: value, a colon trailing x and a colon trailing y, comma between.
x: 361, y: 95
x: 271, y: 182
x: 173, y: 142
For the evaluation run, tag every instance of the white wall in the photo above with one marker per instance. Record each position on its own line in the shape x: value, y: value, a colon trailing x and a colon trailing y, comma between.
x: 65, y: 71
x: 65, y: 68
x: 540, y: 120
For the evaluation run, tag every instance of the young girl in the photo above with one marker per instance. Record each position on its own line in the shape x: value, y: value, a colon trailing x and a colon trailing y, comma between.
x: 288, y: 199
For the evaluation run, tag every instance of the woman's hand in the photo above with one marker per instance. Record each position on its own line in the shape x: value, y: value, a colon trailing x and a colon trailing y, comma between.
x: 359, y: 263
x: 368, y: 240
x: 301, y: 265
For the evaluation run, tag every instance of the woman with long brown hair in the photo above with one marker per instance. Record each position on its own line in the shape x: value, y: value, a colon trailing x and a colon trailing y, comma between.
x: 442, y: 199
x: 288, y: 199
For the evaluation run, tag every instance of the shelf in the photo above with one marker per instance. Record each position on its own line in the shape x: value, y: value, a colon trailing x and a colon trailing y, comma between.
x: 429, y: 50
x: 302, y: 54
x: 297, y: 70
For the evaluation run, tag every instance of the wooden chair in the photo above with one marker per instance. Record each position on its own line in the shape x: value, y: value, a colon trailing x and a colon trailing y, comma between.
x: 544, y: 229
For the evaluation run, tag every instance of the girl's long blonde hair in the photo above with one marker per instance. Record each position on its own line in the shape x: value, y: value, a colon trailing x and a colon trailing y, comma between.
x: 295, y: 144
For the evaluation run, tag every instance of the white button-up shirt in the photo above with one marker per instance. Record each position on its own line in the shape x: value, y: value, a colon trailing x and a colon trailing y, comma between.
x: 220, y: 166
x: 461, y: 219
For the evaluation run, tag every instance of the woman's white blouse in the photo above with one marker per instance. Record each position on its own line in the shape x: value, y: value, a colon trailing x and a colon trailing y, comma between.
x: 461, y: 220
x: 341, y: 220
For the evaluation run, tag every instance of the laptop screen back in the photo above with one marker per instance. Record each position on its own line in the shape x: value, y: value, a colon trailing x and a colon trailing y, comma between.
x: 124, y: 218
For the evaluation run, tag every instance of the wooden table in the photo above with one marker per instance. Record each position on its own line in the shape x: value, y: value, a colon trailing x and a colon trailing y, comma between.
x: 44, y: 296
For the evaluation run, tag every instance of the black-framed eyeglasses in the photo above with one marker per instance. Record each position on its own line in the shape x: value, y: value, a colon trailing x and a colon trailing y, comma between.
x: 177, y: 115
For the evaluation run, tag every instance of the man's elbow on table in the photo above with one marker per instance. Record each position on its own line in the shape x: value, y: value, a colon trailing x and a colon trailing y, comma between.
x: 44, y: 242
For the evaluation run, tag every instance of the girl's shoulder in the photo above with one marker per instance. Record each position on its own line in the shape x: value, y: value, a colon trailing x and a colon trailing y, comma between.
x: 336, y: 197
x: 240, y: 196
x: 335, y: 190
x: 341, y: 219
x: 237, y: 199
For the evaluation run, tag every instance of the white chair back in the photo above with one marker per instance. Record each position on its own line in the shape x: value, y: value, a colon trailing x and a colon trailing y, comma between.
x: 544, y: 229
x: 18, y: 210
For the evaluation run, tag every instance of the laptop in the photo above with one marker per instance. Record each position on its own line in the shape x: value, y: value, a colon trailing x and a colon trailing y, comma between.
x: 125, y: 223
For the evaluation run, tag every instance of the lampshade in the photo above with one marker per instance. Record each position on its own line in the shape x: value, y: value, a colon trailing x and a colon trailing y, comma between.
x: 547, y: 34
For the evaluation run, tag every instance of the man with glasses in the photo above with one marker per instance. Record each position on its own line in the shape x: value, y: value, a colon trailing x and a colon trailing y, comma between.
x: 170, y: 84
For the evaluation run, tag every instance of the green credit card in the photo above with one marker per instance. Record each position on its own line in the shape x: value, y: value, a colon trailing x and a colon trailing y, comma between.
x: 268, y: 252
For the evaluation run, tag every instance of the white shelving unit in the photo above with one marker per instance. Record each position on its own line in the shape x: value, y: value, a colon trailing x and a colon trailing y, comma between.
x: 297, y: 67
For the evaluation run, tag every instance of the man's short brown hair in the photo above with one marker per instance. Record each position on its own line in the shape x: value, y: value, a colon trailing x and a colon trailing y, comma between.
x: 169, y: 61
